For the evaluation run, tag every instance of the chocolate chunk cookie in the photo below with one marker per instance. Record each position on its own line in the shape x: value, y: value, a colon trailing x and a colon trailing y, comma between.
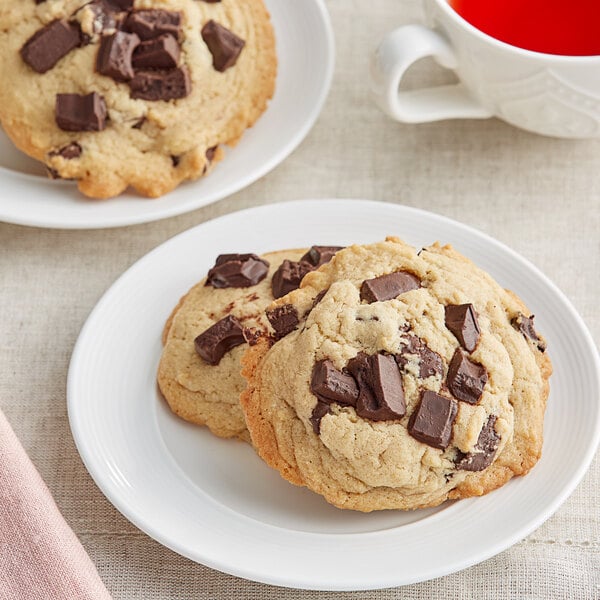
x: 147, y: 91
x: 207, y: 332
x: 398, y: 379
x: 205, y: 336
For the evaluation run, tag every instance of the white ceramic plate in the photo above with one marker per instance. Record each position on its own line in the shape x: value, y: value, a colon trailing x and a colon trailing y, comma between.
x: 305, y: 50
x: 215, y: 502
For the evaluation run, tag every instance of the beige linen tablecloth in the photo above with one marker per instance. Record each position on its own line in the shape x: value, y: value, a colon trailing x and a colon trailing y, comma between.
x: 540, y: 196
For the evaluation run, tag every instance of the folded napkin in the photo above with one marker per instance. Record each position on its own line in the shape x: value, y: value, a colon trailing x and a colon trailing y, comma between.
x: 40, y: 556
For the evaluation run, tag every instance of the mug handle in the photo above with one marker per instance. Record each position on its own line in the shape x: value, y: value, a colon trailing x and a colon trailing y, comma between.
x: 396, y: 53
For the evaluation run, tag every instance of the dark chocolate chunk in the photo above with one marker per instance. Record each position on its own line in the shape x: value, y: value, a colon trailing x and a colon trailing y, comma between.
x: 466, y: 379
x: 104, y: 15
x: 290, y: 273
x: 52, y: 173
x: 138, y: 123
x: 319, y: 255
x: 70, y: 151
x: 175, y: 160
x: 386, y: 383
x: 430, y: 362
x: 331, y: 385
x: 319, y: 411
x: 218, y: 339
x: 288, y: 277
x: 461, y: 320
x: 161, y: 85
x: 237, y: 270
x: 80, y: 113
x: 114, y: 57
x: 122, y: 4
x: 316, y: 301
x: 381, y: 395
x: 50, y: 43
x: 223, y: 44
x: 283, y: 319
x: 153, y: 23
x: 210, y: 153
x: 159, y: 53
x: 319, y: 297
x: 251, y: 335
x: 525, y: 326
x: 389, y: 286
x: 431, y: 422
x: 485, y: 449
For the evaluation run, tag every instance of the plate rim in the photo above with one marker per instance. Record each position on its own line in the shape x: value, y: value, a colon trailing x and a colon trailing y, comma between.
x: 273, y: 578
x: 84, y: 222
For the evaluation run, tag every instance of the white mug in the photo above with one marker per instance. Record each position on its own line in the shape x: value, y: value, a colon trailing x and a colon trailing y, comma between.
x: 543, y: 93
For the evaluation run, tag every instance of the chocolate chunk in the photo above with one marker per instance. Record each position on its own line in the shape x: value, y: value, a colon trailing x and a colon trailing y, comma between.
x: 431, y: 423
x: 49, y: 44
x: 175, y: 160
x: 138, y: 123
x: 316, y: 301
x: 237, y: 270
x: 290, y: 273
x: 218, y: 339
x: 319, y: 297
x: 149, y: 24
x: 381, y: 395
x: 331, y: 385
x: 386, y: 383
x: 525, y: 326
x: 122, y: 4
x: 251, y: 335
x: 430, y: 362
x: 288, y: 277
x: 466, y: 379
x: 319, y: 255
x: 80, y: 113
x: 461, y: 320
x: 223, y: 44
x: 115, y: 55
x: 283, y: 319
x: 319, y: 411
x: 52, y: 173
x: 161, y: 85
x: 389, y: 286
x: 485, y: 449
x: 160, y: 53
x: 210, y: 153
x: 70, y: 151
x: 104, y: 15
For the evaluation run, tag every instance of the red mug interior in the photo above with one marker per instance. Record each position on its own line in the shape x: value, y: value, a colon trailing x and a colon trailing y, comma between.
x: 564, y: 27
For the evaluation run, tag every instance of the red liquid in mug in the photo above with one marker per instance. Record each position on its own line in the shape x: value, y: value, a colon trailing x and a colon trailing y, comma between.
x: 552, y: 26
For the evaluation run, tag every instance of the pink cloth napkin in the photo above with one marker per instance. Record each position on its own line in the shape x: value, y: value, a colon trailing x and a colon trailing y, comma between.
x: 40, y: 556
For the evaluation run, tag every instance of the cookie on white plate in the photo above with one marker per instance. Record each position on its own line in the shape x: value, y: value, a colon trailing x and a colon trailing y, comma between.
x: 140, y: 93
x: 398, y: 379
x: 208, y: 330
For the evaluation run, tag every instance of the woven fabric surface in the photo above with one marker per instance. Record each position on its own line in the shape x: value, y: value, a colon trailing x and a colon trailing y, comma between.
x: 540, y: 196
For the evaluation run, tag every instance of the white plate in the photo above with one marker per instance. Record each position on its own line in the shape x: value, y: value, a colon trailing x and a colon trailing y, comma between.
x: 305, y: 51
x: 215, y: 502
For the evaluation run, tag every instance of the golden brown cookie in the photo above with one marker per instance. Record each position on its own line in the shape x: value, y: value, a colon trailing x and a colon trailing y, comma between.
x: 206, y: 333
x: 118, y: 93
x: 398, y: 379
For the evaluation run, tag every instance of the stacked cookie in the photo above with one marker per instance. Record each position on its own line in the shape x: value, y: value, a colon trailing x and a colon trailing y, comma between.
x: 214, y: 323
x: 389, y: 379
x: 141, y: 93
